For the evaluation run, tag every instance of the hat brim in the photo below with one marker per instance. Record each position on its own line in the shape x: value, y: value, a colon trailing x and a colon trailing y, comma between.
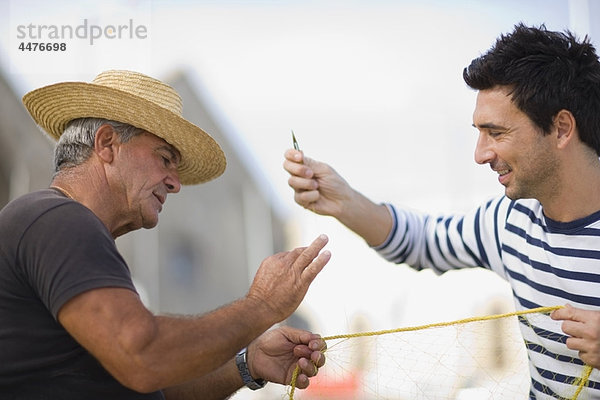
x: 53, y: 107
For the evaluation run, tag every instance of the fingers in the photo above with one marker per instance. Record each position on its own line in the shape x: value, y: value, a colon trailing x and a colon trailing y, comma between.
x: 309, y: 350
x: 313, y: 358
x: 310, y: 262
x: 293, y: 155
x: 301, y: 174
x: 307, y: 354
x: 588, y: 350
x: 304, y: 255
x: 296, y: 164
x: 309, y: 368
x: 300, y: 184
x: 583, y: 328
x: 318, y: 344
x: 577, y: 322
x: 567, y: 312
x: 305, y: 187
x: 318, y: 359
x: 310, y: 273
x: 301, y: 180
x: 304, y: 179
x: 314, y: 348
x: 312, y: 340
x: 306, y: 198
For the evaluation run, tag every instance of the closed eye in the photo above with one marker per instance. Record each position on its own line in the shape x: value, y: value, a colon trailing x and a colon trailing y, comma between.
x: 169, y: 156
x: 493, y: 130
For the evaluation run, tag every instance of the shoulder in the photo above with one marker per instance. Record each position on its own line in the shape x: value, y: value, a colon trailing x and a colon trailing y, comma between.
x: 21, y: 212
x: 36, y: 203
x: 47, y: 212
x: 525, y: 208
x: 503, y: 208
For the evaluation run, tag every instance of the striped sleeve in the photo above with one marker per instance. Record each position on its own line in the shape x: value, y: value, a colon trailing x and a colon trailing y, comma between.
x: 447, y: 242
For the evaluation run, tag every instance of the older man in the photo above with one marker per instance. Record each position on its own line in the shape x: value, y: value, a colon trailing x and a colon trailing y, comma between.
x: 71, y: 323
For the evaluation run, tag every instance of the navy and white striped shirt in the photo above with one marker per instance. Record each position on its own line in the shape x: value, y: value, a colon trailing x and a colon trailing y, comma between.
x: 546, y: 262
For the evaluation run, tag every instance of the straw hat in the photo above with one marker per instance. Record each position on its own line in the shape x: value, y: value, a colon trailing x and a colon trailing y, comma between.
x: 135, y: 99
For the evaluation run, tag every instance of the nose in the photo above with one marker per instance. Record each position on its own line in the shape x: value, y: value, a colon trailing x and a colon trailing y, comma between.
x: 172, y: 182
x: 483, y: 151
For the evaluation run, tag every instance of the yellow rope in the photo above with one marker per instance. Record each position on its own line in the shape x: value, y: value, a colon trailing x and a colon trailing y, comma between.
x: 582, y: 381
x: 587, y: 371
x: 439, y: 324
x: 293, y: 383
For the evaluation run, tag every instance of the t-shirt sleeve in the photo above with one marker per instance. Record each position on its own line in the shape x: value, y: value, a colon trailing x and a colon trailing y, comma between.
x: 67, y: 251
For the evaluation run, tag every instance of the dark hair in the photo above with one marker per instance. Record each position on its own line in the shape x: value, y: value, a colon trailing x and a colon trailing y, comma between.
x: 547, y: 72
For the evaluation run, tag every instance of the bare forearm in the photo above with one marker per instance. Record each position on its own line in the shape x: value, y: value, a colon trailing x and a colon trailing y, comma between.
x: 149, y: 353
x: 369, y: 220
x: 217, y: 385
x: 319, y: 188
x: 195, y: 346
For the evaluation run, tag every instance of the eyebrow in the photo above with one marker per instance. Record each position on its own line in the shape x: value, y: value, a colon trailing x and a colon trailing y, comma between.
x: 489, y: 126
x: 175, y: 155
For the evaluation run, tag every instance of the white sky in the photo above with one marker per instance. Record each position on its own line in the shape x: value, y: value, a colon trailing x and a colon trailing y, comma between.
x: 372, y: 87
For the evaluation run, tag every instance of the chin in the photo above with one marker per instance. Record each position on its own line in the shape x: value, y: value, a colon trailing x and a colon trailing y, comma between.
x: 517, y: 195
x: 149, y: 218
x: 511, y: 195
x: 151, y: 222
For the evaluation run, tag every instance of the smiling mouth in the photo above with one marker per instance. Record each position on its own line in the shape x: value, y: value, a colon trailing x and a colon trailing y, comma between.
x: 503, y: 175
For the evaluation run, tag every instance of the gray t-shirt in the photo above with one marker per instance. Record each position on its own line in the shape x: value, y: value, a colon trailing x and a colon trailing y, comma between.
x: 52, y: 249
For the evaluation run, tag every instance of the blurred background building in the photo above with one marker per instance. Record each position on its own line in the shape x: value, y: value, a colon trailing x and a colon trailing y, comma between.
x: 25, y: 155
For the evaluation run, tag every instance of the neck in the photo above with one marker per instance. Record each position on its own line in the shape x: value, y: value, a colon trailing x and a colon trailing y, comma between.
x: 92, y: 194
x: 579, y: 194
x: 63, y: 191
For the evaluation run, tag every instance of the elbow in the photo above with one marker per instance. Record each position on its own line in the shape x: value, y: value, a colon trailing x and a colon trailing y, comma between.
x: 140, y: 378
x: 138, y: 368
x: 140, y: 382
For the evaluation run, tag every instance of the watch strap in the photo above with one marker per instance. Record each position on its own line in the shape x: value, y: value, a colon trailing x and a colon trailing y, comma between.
x: 241, y: 360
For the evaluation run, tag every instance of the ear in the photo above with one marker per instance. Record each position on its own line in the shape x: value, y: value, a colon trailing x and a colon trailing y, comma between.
x: 104, y: 142
x: 565, y: 125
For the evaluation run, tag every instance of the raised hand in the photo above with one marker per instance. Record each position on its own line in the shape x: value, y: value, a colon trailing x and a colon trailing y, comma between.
x: 283, y: 279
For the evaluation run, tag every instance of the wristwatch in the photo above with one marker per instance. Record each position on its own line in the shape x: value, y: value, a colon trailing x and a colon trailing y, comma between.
x: 242, y: 365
